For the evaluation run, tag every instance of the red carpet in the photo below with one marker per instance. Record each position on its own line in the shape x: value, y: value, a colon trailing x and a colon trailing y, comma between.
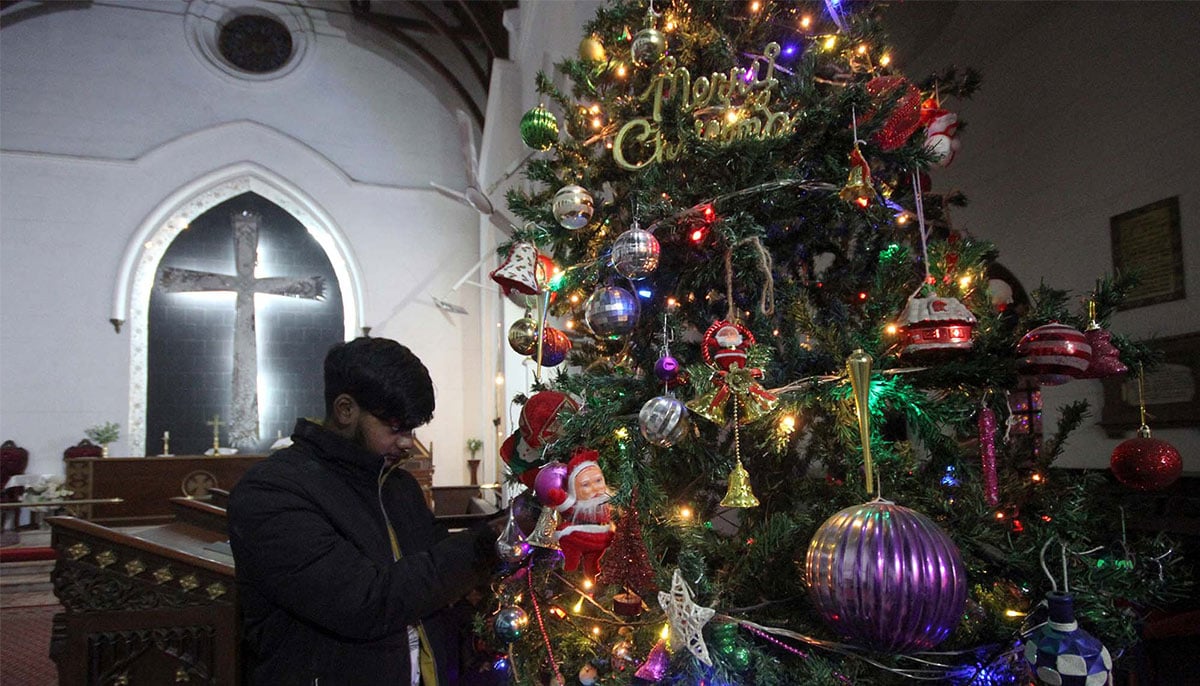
x: 25, y: 646
x: 23, y: 554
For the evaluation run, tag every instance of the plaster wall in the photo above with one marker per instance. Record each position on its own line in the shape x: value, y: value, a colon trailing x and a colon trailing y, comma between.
x: 1087, y: 110
x: 106, y: 112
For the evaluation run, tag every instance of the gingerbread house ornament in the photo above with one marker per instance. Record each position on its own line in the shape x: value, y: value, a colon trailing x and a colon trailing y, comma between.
x: 934, y: 324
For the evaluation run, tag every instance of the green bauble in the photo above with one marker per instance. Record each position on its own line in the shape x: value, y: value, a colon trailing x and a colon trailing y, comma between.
x: 729, y: 647
x: 539, y: 128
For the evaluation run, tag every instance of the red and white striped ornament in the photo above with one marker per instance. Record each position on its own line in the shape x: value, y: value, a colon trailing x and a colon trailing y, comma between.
x: 1054, y: 353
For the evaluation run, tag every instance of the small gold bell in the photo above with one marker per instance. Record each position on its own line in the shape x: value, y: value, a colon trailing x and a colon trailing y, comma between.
x: 739, y: 493
x: 543, y: 533
x: 858, y: 189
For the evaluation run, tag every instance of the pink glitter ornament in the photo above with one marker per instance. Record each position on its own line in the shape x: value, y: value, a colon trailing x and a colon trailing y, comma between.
x: 987, y: 455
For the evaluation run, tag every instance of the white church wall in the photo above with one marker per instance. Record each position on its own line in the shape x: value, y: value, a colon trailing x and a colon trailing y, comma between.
x: 105, y: 113
x: 1086, y: 110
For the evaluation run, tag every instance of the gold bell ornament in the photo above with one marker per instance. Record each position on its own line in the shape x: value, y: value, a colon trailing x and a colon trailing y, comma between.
x: 739, y: 493
x: 543, y: 532
x: 858, y: 189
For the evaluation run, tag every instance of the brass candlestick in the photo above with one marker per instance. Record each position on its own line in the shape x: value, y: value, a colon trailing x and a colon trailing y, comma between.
x: 216, y: 425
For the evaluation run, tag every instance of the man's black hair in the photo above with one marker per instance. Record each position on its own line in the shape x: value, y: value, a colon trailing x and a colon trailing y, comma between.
x: 384, y: 378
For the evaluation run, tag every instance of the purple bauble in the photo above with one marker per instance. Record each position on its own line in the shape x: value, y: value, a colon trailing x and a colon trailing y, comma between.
x: 553, y: 475
x: 886, y: 577
x: 666, y: 368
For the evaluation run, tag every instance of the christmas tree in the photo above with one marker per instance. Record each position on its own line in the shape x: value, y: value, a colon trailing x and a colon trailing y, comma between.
x: 756, y: 328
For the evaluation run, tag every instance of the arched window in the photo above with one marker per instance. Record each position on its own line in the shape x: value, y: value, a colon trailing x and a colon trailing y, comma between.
x: 182, y: 331
x: 244, y: 306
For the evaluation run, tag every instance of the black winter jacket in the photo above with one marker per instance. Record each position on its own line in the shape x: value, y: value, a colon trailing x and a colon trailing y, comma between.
x: 322, y: 601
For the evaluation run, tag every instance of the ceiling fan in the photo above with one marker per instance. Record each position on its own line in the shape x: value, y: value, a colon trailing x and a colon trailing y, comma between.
x: 475, y: 195
x: 477, y: 198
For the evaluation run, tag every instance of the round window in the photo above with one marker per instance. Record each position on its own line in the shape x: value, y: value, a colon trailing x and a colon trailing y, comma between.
x: 255, y: 43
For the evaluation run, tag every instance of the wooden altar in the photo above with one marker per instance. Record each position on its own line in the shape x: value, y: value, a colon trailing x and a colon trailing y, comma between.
x: 146, y: 485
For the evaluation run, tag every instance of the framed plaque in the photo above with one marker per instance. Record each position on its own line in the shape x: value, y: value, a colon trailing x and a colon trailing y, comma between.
x: 1172, y: 390
x: 1147, y: 241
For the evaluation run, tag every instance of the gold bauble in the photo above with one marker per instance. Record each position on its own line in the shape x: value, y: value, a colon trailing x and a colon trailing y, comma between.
x: 522, y: 336
x: 592, y: 49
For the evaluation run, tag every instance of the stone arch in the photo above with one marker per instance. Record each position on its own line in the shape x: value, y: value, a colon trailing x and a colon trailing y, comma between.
x: 150, y: 242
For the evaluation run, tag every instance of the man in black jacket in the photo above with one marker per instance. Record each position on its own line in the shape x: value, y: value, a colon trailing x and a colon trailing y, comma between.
x: 344, y: 576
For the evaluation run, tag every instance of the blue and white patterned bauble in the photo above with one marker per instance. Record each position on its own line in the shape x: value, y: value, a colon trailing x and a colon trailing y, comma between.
x: 635, y: 253
x: 663, y: 421
x: 1062, y: 654
x: 611, y: 312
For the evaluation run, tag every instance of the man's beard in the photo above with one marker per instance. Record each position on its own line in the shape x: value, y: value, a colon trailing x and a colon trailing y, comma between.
x: 592, y: 511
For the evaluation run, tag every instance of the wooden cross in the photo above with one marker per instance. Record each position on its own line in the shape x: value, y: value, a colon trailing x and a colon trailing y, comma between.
x: 216, y: 425
x: 244, y: 429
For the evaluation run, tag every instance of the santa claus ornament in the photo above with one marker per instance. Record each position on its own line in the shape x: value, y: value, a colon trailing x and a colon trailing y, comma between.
x: 539, y: 425
x: 941, y: 127
x: 724, y: 347
x: 586, y: 527
x: 934, y: 324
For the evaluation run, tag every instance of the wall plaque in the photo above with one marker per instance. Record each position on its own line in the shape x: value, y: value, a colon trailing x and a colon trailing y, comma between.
x: 1147, y: 240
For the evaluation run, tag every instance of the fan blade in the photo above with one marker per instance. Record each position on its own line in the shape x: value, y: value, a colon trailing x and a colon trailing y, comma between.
x: 470, y: 155
x: 454, y: 195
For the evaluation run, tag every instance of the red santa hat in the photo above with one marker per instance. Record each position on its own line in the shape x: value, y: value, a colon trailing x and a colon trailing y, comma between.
x: 539, y: 418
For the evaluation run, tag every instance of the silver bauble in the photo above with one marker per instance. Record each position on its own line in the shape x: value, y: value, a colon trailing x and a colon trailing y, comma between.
x: 648, y: 47
x: 510, y: 623
x: 664, y: 421
x: 573, y: 207
x: 635, y: 253
x: 611, y: 312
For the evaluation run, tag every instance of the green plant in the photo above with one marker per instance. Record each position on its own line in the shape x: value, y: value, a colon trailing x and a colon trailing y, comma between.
x: 103, y: 434
x: 473, y: 445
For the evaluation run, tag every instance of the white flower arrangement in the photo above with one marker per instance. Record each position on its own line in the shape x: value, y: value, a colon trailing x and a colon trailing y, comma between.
x: 46, y: 489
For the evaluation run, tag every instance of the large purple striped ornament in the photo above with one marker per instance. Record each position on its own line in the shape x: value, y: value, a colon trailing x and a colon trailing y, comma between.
x: 886, y: 577
x: 1054, y: 353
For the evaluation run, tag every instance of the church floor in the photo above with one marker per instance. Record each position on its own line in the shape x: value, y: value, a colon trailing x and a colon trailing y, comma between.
x: 27, y: 607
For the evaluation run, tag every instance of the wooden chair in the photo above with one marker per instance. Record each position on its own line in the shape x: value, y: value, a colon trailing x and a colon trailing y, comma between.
x: 84, y: 448
x: 13, y: 461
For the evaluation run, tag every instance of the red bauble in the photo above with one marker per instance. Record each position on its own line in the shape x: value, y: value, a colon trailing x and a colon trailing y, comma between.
x: 1146, y: 464
x: 555, y: 346
x: 1055, y: 353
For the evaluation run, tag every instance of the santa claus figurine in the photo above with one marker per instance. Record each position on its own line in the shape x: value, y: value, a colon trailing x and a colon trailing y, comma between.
x: 586, y: 528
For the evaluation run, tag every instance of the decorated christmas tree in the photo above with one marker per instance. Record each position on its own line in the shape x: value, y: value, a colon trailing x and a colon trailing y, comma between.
x: 777, y: 435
